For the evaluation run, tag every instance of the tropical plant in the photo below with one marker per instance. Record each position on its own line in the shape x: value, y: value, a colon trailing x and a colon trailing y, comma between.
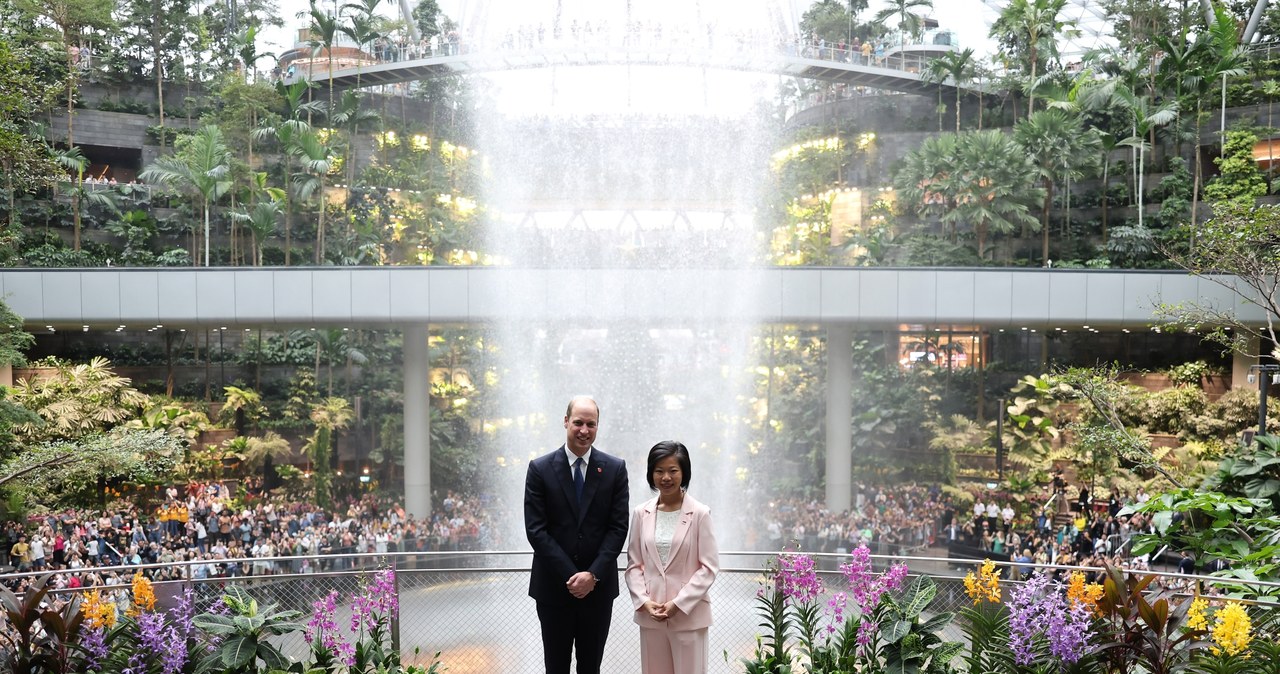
x: 1239, y: 177
x: 73, y: 160
x: 329, y: 416
x: 1031, y: 424
x: 287, y: 132
x: 1030, y: 30
x: 324, y: 35
x: 1149, y: 625
x: 316, y: 159
x: 38, y: 638
x: 1062, y: 151
x: 245, y: 634
x: 65, y: 473
x: 992, y: 187
x: 910, y: 21
x: 201, y: 166
x: 263, y: 453
x: 242, y: 407
x: 77, y: 400
x: 958, y: 66
x: 173, y: 418
x: 261, y: 216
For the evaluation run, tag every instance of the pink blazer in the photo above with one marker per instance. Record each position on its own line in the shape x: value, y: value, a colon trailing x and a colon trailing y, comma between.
x: 690, y: 570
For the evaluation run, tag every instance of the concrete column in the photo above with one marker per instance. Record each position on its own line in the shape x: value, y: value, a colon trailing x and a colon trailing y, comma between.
x: 417, y: 415
x: 1240, y: 364
x: 839, y: 417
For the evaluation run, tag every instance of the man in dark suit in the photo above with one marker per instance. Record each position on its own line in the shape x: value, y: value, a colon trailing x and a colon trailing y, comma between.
x: 576, y: 515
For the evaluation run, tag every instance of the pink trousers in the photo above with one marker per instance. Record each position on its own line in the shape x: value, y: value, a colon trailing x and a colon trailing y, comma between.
x: 664, y: 651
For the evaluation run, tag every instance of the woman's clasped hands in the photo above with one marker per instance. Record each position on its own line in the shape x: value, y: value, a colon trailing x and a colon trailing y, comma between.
x: 660, y: 612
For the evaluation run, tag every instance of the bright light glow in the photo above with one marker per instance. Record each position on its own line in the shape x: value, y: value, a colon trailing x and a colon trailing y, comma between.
x: 817, y: 145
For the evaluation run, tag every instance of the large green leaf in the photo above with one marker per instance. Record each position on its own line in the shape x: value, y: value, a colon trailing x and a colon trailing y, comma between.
x: 894, y: 631
x: 238, y: 651
x: 919, y: 596
x: 214, y: 624
x: 272, y: 657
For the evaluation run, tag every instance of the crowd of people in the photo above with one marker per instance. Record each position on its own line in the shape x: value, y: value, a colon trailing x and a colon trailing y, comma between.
x: 199, y: 528
x: 202, y: 527
x: 1063, y: 525
x: 888, y: 520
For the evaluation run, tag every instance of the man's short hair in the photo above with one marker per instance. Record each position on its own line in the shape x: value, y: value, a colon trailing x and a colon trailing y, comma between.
x: 568, y: 411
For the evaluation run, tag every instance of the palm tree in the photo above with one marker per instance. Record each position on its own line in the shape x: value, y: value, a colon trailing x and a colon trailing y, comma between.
x: 349, y: 115
x: 908, y: 20
x: 1030, y: 30
x: 324, y: 34
x: 1144, y: 117
x: 921, y: 183
x: 286, y: 133
x: 982, y: 179
x: 73, y: 160
x: 363, y: 28
x: 260, y: 220
x: 201, y: 166
x: 960, y: 68
x: 247, y: 41
x: 1060, y: 149
x: 330, y: 415
x: 315, y: 158
x: 242, y: 406
x: 265, y: 451
x: 333, y: 345
x: 994, y: 185
x: 1223, y: 58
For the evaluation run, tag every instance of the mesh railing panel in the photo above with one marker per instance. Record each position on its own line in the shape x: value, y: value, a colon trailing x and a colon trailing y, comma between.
x: 474, y: 608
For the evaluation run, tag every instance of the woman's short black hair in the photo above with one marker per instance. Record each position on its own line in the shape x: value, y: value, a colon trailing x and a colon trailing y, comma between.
x: 663, y: 450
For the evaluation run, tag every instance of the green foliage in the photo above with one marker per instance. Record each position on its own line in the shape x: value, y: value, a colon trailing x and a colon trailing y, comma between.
x: 1031, y: 424
x: 1189, y: 373
x: 911, y: 643
x: 1149, y: 625
x: 65, y: 473
x: 1170, y: 410
x: 38, y: 638
x: 980, y: 180
x: 833, y: 20
x: 1235, y: 411
x: 1238, y: 241
x: 956, y: 433
x: 986, y: 625
x: 77, y: 400
x: 26, y: 90
x: 1239, y: 179
x: 245, y: 635
x: 14, y: 340
x: 242, y: 408
x: 1252, y: 472
x: 887, y: 406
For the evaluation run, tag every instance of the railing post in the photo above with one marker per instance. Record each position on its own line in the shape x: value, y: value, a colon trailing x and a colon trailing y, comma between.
x: 395, y: 619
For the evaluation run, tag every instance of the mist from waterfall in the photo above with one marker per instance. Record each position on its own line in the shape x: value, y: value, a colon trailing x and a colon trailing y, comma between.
x: 642, y: 168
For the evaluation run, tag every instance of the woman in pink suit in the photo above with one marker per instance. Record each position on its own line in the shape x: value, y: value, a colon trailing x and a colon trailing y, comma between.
x: 672, y: 560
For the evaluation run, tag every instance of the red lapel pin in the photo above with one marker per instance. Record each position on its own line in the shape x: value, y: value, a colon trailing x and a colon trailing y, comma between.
x: 599, y: 469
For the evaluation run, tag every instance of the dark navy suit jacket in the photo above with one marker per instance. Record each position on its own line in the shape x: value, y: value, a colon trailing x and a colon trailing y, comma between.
x: 567, y: 538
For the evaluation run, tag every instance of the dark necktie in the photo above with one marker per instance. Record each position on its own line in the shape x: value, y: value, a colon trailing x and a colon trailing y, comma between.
x: 578, y: 478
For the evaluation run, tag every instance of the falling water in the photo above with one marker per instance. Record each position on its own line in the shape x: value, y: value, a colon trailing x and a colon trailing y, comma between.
x: 637, y: 167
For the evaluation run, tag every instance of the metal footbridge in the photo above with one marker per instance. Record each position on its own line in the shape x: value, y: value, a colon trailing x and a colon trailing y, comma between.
x: 900, y: 70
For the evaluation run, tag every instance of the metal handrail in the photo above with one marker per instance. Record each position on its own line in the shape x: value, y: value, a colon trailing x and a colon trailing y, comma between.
x: 475, y: 554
